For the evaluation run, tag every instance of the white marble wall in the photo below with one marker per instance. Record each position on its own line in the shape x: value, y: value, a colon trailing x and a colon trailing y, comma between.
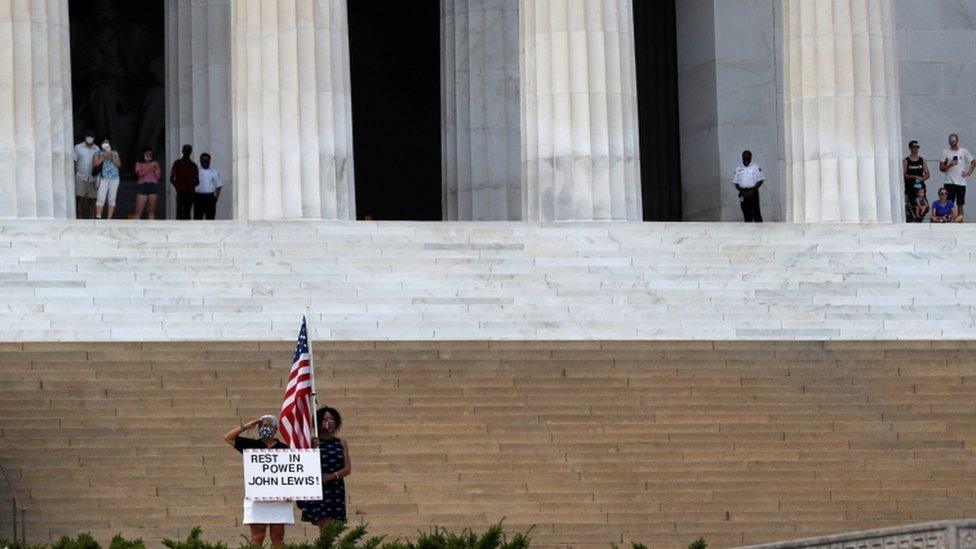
x: 480, y: 148
x: 36, y: 163
x: 937, y: 58
x: 842, y: 119
x: 292, y: 104
x: 198, y: 90
x: 580, y: 146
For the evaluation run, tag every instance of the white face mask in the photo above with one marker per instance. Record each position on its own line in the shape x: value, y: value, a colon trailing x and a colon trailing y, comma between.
x: 89, y: 140
x: 106, y: 147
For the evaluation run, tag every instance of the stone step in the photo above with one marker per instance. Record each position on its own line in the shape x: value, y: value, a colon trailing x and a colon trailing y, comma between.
x: 237, y: 281
x: 592, y: 442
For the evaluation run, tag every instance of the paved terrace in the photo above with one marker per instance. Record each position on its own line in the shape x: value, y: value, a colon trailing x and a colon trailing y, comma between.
x: 163, y: 280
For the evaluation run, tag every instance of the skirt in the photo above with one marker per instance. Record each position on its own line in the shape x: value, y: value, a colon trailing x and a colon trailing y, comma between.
x: 269, y: 512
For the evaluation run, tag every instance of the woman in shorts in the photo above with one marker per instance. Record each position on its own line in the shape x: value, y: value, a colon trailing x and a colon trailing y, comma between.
x: 147, y: 169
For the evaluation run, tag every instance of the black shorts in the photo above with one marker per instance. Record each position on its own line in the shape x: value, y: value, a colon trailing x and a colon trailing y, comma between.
x: 957, y: 193
x: 148, y: 188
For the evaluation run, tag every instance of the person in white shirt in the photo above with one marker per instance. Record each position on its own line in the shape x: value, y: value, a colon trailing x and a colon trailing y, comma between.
x: 958, y: 165
x: 86, y: 185
x: 207, y: 191
x: 747, y: 180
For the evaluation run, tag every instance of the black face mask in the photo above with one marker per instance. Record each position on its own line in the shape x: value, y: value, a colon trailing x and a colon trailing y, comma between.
x: 205, y: 164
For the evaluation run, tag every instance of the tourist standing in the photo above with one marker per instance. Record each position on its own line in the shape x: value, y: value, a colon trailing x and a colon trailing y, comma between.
x: 336, y: 466
x: 147, y: 185
x: 208, y: 191
x: 263, y: 516
x: 958, y: 165
x: 108, y: 180
x: 747, y: 180
x: 915, y: 171
x: 184, y: 176
x: 86, y: 189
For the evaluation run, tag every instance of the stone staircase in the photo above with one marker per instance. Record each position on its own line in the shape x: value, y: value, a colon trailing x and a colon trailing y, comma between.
x: 590, y: 442
x: 367, y: 281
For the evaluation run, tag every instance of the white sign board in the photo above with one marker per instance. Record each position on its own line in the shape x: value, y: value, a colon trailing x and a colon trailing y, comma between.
x: 282, y: 475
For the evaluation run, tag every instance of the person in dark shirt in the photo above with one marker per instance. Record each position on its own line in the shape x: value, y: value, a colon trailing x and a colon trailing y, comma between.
x: 263, y: 516
x: 185, y: 176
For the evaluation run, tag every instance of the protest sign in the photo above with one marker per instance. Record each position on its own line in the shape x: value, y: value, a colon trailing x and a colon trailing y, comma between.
x: 282, y: 474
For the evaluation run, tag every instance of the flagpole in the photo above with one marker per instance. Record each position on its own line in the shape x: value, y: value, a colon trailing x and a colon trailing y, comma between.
x: 311, y: 367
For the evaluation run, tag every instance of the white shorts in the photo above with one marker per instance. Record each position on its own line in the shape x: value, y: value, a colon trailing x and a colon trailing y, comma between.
x: 107, y: 189
x: 269, y: 512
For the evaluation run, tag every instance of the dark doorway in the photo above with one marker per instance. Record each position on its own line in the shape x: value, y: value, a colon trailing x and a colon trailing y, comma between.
x: 118, y: 84
x: 655, y: 34
x: 395, y: 55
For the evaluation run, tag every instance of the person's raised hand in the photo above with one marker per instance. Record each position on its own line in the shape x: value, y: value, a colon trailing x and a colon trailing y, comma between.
x: 252, y: 424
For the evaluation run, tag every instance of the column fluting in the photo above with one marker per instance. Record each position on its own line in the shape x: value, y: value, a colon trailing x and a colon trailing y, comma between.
x: 36, y: 129
x: 842, y: 119
x: 198, y: 72
x: 580, y: 143
x: 480, y: 146
x: 293, y: 149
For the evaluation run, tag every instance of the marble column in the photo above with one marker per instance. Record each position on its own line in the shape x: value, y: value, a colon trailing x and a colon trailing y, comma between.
x: 580, y: 151
x: 36, y: 159
x: 292, y: 106
x: 480, y: 146
x: 198, y: 109
x: 842, y: 117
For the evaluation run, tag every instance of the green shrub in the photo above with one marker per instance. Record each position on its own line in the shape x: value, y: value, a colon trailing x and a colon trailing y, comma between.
x: 633, y: 545
x: 83, y: 541
x: 697, y: 544
x: 118, y: 542
x: 336, y: 536
x: 193, y: 541
x: 440, y: 538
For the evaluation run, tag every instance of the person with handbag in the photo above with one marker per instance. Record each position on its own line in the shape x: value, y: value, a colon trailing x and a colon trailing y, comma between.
x: 108, y: 182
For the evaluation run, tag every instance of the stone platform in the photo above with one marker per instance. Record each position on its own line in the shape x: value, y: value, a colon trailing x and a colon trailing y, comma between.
x: 157, y: 281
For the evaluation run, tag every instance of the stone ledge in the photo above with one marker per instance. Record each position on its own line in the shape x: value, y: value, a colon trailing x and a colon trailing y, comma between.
x: 946, y: 534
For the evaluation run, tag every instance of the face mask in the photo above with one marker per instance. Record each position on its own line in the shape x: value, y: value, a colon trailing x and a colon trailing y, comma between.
x: 89, y: 140
x: 106, y: 147
x: 147, y: 158
x: 266, y: 431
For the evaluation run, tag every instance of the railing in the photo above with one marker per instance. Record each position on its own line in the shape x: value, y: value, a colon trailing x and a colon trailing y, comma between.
x: 16, y: 504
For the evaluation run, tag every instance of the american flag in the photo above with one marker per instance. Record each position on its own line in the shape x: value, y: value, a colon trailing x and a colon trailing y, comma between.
x: 296, y: 413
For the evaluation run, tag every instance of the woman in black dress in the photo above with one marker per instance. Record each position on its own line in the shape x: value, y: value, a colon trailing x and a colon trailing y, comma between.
x: 916, y: 173
x: 336, y: 465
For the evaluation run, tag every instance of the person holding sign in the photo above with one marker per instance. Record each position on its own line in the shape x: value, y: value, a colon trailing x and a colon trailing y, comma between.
x: 336, y: 465
x: 263, y: 516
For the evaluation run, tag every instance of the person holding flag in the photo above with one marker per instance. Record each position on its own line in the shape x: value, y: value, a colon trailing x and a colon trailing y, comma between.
x: 263, y: 516
x: 336, y: 465
x: 299, y: 432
